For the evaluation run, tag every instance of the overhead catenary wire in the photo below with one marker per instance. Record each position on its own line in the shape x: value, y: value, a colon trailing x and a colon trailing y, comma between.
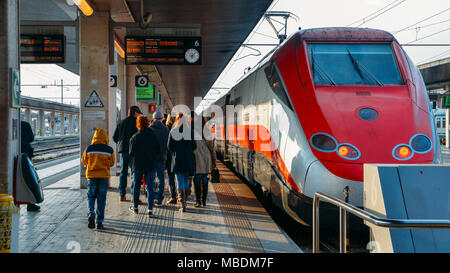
x: 433, y: 34
x: 376, y: 13
x: 421, y: 21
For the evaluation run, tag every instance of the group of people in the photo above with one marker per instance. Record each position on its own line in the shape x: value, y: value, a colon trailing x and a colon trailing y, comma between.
x: 150, y: 148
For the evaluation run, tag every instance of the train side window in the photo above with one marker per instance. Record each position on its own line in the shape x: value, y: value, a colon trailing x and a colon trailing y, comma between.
x: 443, y: 123
x: 438, y: 122
x: 274, y: 78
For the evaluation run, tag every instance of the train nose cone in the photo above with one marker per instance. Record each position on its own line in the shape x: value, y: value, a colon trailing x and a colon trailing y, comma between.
x: 368, y: 114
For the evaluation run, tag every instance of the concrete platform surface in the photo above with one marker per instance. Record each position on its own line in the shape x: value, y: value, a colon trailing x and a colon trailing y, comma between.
x: 232, y: 222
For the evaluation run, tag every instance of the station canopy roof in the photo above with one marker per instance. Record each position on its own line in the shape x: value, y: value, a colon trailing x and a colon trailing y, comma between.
x: 223, y: 26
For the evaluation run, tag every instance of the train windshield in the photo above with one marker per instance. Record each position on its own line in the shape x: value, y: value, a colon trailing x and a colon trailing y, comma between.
x: 354, y: 64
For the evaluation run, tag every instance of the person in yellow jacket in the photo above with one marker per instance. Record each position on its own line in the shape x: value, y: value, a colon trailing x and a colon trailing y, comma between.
x: 98, y: 159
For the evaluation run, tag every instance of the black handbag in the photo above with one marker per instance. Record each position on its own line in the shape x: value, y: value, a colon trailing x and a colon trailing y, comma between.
x: 215, y: 176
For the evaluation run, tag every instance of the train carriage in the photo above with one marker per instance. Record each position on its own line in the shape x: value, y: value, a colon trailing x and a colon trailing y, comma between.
x: 318, y: 107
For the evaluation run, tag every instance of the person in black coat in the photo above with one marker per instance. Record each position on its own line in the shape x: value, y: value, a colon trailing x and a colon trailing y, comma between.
x: 124, y: 131
x: 144, y: 153
x: 182, y: 147
x: 170, y: 174
x: 26, y: 137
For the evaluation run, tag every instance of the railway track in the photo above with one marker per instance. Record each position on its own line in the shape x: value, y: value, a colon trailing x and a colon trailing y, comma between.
x: 56, y: 149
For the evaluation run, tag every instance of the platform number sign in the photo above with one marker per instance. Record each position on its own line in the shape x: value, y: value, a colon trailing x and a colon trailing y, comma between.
x: 15, y: 88
x: 141, y: 81
x: 113, y: 81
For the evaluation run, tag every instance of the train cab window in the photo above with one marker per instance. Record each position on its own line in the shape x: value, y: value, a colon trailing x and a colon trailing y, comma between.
x: 354, y: 64
x: 274, y: 78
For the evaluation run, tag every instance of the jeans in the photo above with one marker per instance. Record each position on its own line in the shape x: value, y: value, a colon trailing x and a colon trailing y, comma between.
x: 182, y: 181
x: 150, y: 185
x: 201, y: 187
x: 159, y: 171
x: 172, y: 186
x: 125, y: 161
x: 97, y: 189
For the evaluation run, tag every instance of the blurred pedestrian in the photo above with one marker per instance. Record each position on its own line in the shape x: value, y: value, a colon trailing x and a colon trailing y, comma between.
x: 170, y: 174
x: 98, y: 159
x: 124, y: 131
x: 162, y: 133
x: 26, y: 137
x: 205, y: 159
x: 183, y: 160
x: 144, y: 154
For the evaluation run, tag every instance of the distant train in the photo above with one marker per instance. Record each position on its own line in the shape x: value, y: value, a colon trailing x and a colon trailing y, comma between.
x: 317, y: 108
x: 439, y: 119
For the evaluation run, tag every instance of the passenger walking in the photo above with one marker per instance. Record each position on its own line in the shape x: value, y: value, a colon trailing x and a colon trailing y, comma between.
x: 124, y: 131
x: 162, y: 133
x: 144, y: 155
x: 205, y: 159
x: 170, y: 174
x: 183, y: 160
x: 98, y: 158
x: 26, y: 137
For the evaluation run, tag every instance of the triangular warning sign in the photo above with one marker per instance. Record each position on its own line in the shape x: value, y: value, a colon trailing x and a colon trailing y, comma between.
x: 94, y: 100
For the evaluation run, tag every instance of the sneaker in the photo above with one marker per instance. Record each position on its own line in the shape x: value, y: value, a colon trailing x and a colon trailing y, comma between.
x: 91, y: 220
x: 33, y: 207
x: 134, y: 210
x: 149, y: 212
x: 99, y: 225
x: 158, y: 205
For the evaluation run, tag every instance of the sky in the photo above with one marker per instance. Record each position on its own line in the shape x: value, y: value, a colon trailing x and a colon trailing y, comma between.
x: 389, y: 15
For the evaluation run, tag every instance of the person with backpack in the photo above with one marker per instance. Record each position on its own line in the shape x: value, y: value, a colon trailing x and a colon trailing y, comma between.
x: 124, y: 131
x: 98, y: 159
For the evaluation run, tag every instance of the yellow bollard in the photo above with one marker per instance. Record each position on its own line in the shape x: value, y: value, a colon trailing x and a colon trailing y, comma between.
x: 7, y: 208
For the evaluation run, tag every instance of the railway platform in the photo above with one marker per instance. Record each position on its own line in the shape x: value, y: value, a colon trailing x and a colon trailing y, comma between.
x: 233, y: 222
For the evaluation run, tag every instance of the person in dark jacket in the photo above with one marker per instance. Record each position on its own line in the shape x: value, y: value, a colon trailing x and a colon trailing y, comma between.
x: 181, y: 145
x: 124, y: 131
x: 170, y: 174
x: 162, y: 133
x: 145, y: 154
x: 26, y: 137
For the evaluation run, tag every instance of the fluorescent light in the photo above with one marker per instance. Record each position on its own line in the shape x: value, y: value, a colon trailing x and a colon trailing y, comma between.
x: 84, y: 6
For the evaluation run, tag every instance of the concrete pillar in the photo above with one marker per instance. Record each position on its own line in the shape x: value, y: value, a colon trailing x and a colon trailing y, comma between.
x: 34, y: 126
x: 63, y: 123
x: 9, y: 117
x: 121, y: 84
x: 52, y: 123
x: 41, y: 120
x: 131, y: 87
x: 94, y: 75
x: 28, y: 115
x: 70, y: 127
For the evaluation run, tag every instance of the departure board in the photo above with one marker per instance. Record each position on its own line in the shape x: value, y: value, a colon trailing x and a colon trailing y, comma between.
x: 42, y: 48
x: 163, y: 50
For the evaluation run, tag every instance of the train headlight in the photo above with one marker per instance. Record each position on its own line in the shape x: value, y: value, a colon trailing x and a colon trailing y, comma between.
x: 420, y: 143
x: 323, y: 142
x: 348, y: 151
x: 402, y: 152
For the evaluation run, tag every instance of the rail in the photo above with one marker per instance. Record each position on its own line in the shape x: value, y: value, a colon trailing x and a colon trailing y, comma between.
x: 56, y: 149
x: 367, y: 216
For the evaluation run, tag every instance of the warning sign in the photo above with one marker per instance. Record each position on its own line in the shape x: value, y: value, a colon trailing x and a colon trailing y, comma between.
x: 94, y: 100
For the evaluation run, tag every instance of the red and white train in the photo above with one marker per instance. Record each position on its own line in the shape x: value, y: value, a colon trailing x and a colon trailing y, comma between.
x: 326, y: 101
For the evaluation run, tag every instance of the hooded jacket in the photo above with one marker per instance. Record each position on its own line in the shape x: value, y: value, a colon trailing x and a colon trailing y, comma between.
x: 98, y: 157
